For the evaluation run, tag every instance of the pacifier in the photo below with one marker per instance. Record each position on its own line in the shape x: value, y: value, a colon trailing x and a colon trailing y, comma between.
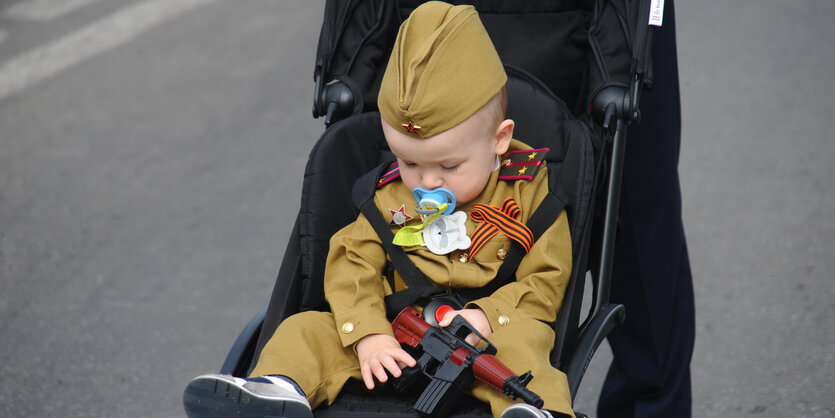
x: 441, y: 231
x: 430, y: 200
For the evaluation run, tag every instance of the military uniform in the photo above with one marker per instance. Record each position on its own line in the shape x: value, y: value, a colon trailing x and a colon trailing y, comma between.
x: 316, y: 348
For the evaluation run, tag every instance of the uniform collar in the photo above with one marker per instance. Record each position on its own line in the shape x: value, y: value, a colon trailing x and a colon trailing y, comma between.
x: 492, y: 183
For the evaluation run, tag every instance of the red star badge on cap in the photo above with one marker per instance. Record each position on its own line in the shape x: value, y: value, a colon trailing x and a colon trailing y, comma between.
x: 411, y: 128
x: 399, y: 217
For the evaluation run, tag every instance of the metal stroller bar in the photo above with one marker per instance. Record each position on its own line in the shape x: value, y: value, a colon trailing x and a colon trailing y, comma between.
x: 614, y: 103
x: 621, y: 104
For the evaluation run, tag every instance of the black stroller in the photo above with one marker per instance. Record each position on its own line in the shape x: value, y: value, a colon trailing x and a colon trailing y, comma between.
x: 575, y: 73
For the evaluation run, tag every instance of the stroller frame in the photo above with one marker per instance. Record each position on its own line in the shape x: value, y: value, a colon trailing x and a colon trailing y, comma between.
x: 612, y: 103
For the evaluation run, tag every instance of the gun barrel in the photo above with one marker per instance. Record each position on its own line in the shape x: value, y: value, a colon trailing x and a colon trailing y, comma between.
x: 516, y: 389
x: 488, y: 369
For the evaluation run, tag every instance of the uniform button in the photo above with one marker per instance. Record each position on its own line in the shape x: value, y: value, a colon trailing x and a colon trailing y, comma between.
x: 502, y: 253
x: 348, y: 327
x: 503, y: 320
x: 463, y: 257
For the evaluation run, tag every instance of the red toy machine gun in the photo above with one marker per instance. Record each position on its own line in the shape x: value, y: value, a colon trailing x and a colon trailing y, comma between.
x: 451, y: 364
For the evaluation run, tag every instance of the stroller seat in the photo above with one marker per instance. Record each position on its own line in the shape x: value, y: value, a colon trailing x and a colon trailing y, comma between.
x: 354, y: 146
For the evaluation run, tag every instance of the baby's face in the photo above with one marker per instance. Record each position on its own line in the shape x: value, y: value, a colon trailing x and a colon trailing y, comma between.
x: 460, y: 159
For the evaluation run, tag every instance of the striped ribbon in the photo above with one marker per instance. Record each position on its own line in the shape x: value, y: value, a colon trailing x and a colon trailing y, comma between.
x: 499, y: 219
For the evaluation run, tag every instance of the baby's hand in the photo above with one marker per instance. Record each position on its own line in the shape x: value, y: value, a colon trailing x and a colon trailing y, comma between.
x: 476, y: 317
x: 378, y: 353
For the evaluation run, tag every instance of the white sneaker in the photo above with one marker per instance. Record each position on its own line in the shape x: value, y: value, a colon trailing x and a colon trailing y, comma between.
x: 217, y: 395
x: 523, y: 410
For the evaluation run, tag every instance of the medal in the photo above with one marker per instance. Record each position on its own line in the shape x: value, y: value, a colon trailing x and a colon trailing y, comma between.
x: 399, y: 217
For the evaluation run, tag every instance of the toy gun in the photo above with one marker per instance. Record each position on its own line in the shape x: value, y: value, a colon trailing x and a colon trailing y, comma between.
x: 451, y: 364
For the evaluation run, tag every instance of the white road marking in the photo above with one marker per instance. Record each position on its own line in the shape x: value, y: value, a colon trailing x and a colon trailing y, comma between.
x: 42, y: 10
x: 117, y: 29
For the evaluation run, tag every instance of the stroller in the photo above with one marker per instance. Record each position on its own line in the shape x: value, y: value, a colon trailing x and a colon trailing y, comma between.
x: 575, y: 73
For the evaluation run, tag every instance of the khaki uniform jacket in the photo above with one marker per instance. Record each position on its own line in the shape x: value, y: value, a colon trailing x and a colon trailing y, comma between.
x: 355, y: 287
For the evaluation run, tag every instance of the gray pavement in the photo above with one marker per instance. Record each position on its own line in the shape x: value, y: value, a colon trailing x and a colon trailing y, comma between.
x: 150, y: 175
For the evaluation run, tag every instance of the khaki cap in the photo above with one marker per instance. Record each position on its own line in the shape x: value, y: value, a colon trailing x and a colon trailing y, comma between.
x: 443, y: 68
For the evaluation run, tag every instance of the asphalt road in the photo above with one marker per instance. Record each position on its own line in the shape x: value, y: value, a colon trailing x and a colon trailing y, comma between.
x: 151, y: 159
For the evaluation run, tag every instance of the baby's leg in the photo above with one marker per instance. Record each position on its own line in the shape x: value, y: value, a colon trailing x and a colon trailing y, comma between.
x: 306, y: 348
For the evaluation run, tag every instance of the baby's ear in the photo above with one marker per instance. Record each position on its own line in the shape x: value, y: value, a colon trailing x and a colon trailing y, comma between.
x: 504, y: 133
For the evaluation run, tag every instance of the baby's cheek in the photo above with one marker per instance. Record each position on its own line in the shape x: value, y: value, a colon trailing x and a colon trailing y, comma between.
x: 409, y: 182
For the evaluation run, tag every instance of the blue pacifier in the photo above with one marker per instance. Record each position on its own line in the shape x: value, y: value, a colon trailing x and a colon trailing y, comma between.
x: 429, y: 200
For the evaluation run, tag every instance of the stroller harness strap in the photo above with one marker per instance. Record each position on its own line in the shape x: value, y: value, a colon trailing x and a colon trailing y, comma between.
x: 420, y: 287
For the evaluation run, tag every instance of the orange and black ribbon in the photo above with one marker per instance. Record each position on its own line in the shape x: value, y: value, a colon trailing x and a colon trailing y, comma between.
x: 495, y: 220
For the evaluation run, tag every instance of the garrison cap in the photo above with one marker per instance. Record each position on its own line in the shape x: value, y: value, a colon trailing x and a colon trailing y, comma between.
x: 443, y: 68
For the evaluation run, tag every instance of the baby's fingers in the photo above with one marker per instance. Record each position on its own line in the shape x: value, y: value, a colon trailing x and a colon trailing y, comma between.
x: 367, y: 376
x: 401, y: 356
x: 447, y: 319
x: 379, y: 370
x: 473, y: 340
x: 391, y: 365
x: 394, y: 361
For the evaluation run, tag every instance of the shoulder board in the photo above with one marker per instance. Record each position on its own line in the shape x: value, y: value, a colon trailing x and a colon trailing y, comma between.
x: 390, y: 173
x: 522, y: 164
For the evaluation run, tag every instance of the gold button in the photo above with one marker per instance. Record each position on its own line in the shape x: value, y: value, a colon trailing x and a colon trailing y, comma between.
x: 463, y: 257
x: 348, y: 327
x: 502, y: 253
x: 503, y: 320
